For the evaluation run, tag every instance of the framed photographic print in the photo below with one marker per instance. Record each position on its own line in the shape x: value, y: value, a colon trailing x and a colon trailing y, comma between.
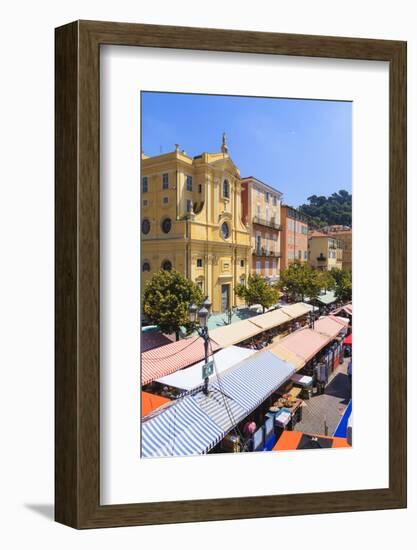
x: 229, y: 205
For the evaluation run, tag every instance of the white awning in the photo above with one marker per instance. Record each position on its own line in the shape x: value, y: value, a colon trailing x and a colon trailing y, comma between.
x: 190, y: 378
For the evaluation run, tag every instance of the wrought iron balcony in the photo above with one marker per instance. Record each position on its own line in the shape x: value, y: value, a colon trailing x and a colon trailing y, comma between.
x: 263, y: 252
x: 267, y: 223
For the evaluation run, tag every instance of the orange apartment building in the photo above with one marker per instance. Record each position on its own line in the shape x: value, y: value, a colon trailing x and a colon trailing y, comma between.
x: 261, y: 213
x: 294, y: 236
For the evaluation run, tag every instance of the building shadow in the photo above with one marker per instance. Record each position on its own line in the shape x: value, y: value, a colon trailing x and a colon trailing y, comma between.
x: 339, y: 387
x: 45, y: 510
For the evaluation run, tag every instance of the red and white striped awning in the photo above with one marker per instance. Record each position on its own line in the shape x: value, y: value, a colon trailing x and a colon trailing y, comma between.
x: 164, y: 360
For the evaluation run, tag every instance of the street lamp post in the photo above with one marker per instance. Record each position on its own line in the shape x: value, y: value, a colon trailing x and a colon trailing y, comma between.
x: 203, y: 315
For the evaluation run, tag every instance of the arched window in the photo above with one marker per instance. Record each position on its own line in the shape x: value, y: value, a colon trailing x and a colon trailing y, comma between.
x: 226, y: 189
x: 146, y: 226
x: 146, y: 266
x: 167, y: 265
x: 166, y: 225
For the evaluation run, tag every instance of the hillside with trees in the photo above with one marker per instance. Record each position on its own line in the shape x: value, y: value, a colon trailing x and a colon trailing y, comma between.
x: 333, y: 210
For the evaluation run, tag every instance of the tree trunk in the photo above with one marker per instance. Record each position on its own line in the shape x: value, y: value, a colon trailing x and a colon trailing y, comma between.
x: 177, y: 335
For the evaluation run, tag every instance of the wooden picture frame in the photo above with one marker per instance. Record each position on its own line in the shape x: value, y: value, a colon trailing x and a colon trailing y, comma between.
x: 77, y: 405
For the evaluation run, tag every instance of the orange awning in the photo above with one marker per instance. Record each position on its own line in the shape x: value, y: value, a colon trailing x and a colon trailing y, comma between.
x: 150, y: 402
x: 289, y: 441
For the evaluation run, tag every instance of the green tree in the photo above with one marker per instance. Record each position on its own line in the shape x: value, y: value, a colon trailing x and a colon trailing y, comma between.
x: 300, y: 280
x: 166, y: 299
x: 342, y: 284
x: 333, y: 210
x: 258, y: 291
x: 327, y: 282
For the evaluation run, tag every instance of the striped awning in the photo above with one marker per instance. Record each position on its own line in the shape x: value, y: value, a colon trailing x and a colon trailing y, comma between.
x: 151, y: 340
x: 254, y: 379
x: 223, y: 410
x: 183, y: 429
x: 191, y: 377
x: 304, y: 344
x: 194, y: 424
x: 164, y: 360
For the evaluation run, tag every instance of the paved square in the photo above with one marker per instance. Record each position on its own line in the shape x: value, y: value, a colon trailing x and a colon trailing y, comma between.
x: 328, y: 408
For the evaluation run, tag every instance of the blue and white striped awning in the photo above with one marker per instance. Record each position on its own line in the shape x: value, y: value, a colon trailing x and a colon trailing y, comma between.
x: 182, y: 429
x: 254, y: 379
x: 194, y: 424
x: 223, y: 410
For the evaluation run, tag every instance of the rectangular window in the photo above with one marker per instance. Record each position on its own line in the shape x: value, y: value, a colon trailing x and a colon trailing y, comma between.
x: 266, y: 197
x: 165, y: 181
x: 258, y: 244
x: 188, y: 205
x: 258, y: 267
x: 145, y: 202
x: 199, y: 262
x: 274, y: 267
x: 189, y: 183
x: 200, y: 188
x: 266, y: 268
x: 305, y: 254
x: 242, y: 263
x: 144, y: 184
x: 299, y: 254
x: 165, y: 200
x: 275, y: 201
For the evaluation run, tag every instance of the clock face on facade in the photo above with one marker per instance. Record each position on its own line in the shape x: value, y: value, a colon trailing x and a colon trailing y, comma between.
x: 225, y: 230
x: 166, y: 225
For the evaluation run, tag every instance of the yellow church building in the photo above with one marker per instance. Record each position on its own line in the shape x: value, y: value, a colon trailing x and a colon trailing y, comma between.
x: 191, y: 221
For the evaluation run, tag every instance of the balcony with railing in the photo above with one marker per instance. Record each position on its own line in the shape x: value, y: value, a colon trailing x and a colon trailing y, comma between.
x: 261, y: 251
x: 267, y: 223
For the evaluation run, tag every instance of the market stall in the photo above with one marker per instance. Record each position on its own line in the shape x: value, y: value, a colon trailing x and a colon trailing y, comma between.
x: 234, y: 333
x: 164, y: 360
x: 190, y: 378
x: 181, y: 429
x: 302, y: 345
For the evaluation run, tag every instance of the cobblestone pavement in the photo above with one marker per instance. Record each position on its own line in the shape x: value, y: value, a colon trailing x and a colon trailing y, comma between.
x: 327, y: 408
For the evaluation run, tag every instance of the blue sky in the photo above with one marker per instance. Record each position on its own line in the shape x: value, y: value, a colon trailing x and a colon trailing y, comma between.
x: 300, y: 147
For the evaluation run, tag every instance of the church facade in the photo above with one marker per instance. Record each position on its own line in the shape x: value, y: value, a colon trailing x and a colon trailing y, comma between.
x: 191, y: 221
